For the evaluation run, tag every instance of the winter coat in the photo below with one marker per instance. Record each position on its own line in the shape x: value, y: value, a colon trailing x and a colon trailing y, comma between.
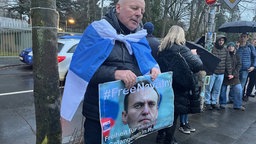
x: 154, y: 43
x: 247, y: 54
x: 184, y: 102
x: 236, y: 66
x: 119, y: 59
x: 225, y: 63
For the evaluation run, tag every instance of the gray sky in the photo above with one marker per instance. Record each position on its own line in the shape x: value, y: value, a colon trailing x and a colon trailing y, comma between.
x: 248, y: 10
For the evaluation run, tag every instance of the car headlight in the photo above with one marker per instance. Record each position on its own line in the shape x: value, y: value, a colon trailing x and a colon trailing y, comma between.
x: 30, y: 53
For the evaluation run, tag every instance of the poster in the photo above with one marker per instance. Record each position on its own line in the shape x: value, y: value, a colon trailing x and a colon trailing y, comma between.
x: 128, y: 114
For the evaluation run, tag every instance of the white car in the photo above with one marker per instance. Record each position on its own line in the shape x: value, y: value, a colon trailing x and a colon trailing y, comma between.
x: 66, y: 48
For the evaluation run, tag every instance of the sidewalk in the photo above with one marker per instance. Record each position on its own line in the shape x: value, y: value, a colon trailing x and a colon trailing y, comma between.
x: 227, y: 126
x: 6, y: 61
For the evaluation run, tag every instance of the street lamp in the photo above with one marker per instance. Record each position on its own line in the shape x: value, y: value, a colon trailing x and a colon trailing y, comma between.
x: 69, y: 21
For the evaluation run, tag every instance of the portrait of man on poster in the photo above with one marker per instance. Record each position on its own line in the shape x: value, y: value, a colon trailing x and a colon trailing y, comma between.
x: 141, y: 106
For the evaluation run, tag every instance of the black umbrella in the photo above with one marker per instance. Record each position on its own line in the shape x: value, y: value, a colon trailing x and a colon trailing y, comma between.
x: 200, y: 41
x: 238, y: 27
x: 209, y: 60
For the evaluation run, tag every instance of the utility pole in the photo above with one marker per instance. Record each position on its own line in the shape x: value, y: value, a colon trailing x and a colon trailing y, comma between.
x: 210, y: 36
x: 45, y: 71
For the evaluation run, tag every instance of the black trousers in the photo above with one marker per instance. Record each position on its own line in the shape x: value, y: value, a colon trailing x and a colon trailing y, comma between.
x: 170, y: 131
x: 92, y: 132
x: 251, y: 83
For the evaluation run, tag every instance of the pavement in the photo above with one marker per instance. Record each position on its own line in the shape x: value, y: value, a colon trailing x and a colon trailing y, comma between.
x: 7, y: 61
x: 226, y: 126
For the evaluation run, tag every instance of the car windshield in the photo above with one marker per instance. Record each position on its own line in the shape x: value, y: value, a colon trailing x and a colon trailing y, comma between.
x: 60, y: 46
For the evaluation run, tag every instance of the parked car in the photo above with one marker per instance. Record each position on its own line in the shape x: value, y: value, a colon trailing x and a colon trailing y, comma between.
x: 66, y: 48
x: 26, y: 56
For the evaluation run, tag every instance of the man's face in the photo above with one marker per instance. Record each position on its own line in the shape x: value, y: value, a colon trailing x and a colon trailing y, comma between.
x: 130, y: 12
x: 142, y: 108
x: 221, y: 41
x: 244, y: 38
x: 254, y: 42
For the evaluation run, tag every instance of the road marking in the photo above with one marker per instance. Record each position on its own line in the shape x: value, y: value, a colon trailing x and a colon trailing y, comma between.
x: 18, y: 92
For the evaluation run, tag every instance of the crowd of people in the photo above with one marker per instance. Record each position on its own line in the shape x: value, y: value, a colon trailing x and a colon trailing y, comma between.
x: 121, y: 60
x: 236, y: 70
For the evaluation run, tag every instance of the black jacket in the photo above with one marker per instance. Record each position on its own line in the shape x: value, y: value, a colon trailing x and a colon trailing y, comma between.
x: 153, y: 43
x: 183, y: 102
x: 236, y: 66
x: 119, y: 59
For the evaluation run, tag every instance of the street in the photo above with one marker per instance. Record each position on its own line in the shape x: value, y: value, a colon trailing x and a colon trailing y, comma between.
x: 17, y: 114
x: 16, y: 110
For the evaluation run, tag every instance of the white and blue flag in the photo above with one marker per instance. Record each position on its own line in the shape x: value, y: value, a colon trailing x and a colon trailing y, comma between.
x: 94, y: 47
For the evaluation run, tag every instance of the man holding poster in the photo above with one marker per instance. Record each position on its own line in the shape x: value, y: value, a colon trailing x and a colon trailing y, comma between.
x: 114, y: 48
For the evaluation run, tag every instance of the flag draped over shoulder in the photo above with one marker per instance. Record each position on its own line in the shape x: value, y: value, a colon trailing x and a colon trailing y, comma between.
x: 94, y: 47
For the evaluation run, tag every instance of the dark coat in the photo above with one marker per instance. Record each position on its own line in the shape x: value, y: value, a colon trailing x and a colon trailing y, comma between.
x: 184, y: 102
x: 236, y: 66
x: 247, y: 54
x: 153, y: 43
x: 225, y: 63
x: 119, y: 59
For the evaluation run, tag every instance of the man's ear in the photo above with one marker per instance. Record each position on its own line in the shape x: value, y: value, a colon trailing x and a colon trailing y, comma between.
x: 124, y: 117
x: 118, y: 8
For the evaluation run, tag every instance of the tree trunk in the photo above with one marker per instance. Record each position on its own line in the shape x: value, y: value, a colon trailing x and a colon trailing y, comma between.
x: 45, y: 71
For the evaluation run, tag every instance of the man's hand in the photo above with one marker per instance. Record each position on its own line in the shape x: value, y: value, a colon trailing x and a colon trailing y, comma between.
x: 250, y: 69
x: 127, y: 76
x: 194, y: 51
x: 154, y: 73
x: 230, y: 77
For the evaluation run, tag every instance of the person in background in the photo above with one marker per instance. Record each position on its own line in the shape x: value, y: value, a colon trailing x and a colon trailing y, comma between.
x: 110, y: 49
x: 184, y: 125
x: 247, y: 54
x: 212, y: 90
x: 254, y: 42
x: 172, y: 44
x: 152, y: 40
x: 251, y: 80
x: 235, y: 85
